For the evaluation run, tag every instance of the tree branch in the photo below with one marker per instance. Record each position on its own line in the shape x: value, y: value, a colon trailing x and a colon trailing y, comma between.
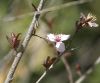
x: 58, y: 7
x: 82, y: 78
x: 54, y: 8
x: 24, y: 44
x: 68, y: 69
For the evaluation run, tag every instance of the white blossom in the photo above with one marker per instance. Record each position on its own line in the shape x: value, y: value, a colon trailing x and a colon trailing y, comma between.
x: 92, y: 20
x: 89, y: 20
x: 60, y: 46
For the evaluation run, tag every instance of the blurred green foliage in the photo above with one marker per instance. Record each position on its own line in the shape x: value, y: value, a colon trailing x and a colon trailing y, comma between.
x: 62, y: 21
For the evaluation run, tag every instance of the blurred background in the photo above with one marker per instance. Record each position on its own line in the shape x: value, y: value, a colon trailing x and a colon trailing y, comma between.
x: 16, y: 16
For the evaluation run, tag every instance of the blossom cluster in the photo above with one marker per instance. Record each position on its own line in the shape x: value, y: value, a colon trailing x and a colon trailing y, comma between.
x: 86, y: 21
x: 58, y: 39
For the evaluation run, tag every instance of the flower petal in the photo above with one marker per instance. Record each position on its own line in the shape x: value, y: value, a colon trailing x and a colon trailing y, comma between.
x: 60, y: 46
x: 93, y: 24
x: 64, y: 37
x: 51, y: 37
x: 89, y: 16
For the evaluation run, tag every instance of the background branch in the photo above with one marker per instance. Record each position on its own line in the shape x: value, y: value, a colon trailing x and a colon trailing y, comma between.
x: 7, y: 58
x: 24, y: 44
x: 54, y: 8
x: 68, y: 69
x: 82, y: 78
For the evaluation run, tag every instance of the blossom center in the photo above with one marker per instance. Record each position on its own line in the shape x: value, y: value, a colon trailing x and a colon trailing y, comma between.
x: 58, y: 39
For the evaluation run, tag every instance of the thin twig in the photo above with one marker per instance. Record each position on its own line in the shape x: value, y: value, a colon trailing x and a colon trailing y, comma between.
x: 82, y: 78
x: 43, y: 75
x: 54, y: 8
x: 24, y: 44
x: 45, y: 72
x: 51, y: 67
x: 68, y: 69
x: 40, y: 37
x: 58, y: 7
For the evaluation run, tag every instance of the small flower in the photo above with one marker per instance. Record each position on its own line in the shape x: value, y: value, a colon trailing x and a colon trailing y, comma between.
x: 48, y: 62
x: 13, y: 40
x: 60, y: 46
x: 88, y: 20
